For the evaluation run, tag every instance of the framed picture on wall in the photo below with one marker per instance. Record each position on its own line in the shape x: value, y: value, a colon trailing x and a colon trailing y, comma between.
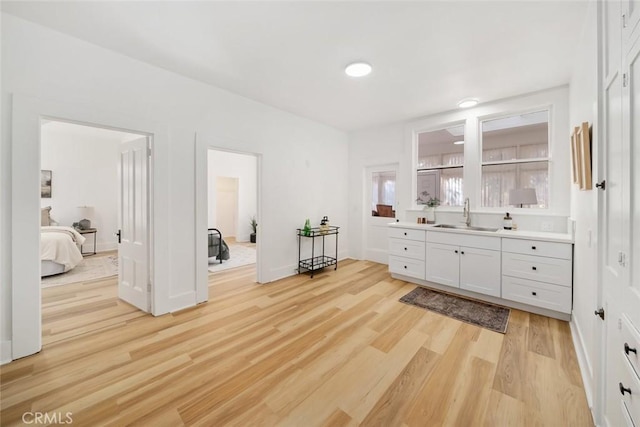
x: 584, y: 142
x: 45, y: 184
x: 428, y: 186
x: 574, y: 158
x: 577, y: 156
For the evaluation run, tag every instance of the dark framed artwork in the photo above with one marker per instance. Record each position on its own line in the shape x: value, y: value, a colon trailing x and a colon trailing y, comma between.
x: 45, y: 184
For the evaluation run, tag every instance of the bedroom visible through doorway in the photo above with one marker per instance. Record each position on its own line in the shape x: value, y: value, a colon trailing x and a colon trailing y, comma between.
x: 232, y: 210
x: 80, y: 184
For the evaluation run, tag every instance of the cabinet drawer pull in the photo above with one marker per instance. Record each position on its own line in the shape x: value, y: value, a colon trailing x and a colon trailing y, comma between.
x: 628, y: 349
x: 533, y: 248
x: 624, y: 390
x: 405, y: 266
x: 462, y: 252
x: 534, y: 293
x: 405, y: 249
x: 405, y: 233
x: 533, y: 268
x: 455, y: 251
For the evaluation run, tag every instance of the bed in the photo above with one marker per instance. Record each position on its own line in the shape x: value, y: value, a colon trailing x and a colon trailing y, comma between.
x: 59, y: 251
x: 218, y: 248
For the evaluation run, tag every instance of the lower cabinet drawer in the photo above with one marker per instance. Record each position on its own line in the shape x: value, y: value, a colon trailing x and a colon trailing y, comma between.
x: 406, y: 266
x: 631, y: 345
x: 629, y: 388
x: 407, y: 248
x: 537, y: 268
x: 539, y: 294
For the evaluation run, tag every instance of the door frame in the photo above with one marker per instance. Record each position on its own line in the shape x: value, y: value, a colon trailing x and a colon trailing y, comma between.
x: 27, y: 116
x: 368, y: 220
x: 203, y: 144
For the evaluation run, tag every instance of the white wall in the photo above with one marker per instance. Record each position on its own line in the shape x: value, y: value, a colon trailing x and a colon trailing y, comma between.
x: 47, y: 65
x: 84, y: 169
x: 583, y: 100
x: 243, y: 167
x: 395, y: 143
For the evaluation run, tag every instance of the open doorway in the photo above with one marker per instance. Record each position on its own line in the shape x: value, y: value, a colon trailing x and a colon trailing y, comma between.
x: 82, y: 189
x: 232, y: 210
x: 380, y: 204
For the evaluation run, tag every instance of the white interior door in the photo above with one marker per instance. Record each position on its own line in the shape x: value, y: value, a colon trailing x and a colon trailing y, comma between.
x: 631, y: 297
x: 227, y: 205
x: 133, y: 218
x: 612, y: 228
x: 379, y: 210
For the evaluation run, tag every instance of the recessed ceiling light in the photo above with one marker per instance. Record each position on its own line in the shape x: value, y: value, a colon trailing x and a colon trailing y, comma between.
x: 459, y: 142
x: 358, y: 69
x: 468, y: 102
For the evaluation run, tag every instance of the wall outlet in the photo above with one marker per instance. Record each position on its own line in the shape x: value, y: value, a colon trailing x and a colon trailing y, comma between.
x: 546, y: 226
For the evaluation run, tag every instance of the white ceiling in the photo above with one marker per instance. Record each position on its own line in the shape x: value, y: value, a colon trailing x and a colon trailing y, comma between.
x: 426, y: 55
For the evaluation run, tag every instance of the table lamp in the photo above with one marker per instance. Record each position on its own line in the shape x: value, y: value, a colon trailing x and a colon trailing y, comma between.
x: 523, y: 196
x: 86, y: 213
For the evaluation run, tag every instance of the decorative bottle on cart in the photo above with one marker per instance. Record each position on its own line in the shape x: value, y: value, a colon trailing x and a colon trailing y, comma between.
x: 306, y: 231
x: 324, y: 225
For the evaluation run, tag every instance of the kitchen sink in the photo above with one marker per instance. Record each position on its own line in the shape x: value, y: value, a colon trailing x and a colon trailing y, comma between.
x: 465, y: 227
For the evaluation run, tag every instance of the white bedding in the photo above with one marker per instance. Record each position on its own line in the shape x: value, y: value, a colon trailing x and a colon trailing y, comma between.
x: 59, y: 244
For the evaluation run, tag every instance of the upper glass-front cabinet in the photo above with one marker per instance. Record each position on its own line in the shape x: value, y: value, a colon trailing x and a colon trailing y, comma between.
x: 515, y: 161
x: 440, y: 166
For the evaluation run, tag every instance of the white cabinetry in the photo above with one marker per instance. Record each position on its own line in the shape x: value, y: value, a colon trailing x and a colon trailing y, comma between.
x: 407, y: 252
x: 466, y: 262
x: 443, y: 264
x: 542, y: 280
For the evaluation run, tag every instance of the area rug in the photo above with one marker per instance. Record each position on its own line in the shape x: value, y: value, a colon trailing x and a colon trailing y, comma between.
x: 239, y: 255
x: 492, y: 317
x: 91, y: 268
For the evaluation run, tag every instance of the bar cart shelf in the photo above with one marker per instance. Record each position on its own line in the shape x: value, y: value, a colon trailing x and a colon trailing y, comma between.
x: 320, y: 260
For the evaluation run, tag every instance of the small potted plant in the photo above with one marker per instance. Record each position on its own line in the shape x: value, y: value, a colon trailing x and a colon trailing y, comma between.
x: 254, y: 228
x: 430, y: 204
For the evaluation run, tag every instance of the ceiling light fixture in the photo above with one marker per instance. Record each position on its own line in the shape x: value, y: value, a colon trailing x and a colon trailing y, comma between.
x: 468, y: 102
x: 459, y: 142
x: 358, y: 69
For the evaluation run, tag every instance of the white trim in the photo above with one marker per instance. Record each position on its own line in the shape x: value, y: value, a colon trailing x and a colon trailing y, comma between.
x: 204, y: 143
x: 5, y: 352
x: 183, y: 300
x: 586, y: 370
x: 25, y: 139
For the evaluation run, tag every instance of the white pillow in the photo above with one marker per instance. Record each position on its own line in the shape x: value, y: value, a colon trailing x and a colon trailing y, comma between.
x: 45, y: 216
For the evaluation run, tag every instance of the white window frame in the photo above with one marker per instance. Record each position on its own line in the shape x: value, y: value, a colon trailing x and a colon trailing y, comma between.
x: 555, y: 100
x: 548, y: 159
x: 414, y: 160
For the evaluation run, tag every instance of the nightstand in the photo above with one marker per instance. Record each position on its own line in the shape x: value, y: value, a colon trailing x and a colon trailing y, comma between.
x: 93, y: 231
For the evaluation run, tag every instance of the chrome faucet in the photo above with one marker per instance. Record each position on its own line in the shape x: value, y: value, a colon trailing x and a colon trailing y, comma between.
x: 466, y: 213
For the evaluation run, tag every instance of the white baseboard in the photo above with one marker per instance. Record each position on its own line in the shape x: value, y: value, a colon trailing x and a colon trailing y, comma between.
x: 102, y: 247
x: 182, y: 301
x: 282, y: 272
x: 583, y: 363
x: 291, y: 270
x: 5, y: 352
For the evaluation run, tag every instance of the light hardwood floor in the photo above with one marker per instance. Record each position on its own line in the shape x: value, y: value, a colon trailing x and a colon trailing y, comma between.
x: 338, y: 349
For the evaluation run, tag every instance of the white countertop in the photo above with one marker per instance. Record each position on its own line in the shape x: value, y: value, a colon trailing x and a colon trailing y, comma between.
x: 516, y: 234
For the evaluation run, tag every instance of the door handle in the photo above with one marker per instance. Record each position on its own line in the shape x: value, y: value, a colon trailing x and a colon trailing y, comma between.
x: 628, y: 349
x: 119, y: 235
x: 599, y: 312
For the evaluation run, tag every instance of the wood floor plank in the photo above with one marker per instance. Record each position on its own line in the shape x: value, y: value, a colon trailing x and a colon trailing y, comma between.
x: 540, y: 336
x: 431, y: 408
x: 336, y: 349
x: 391, y: 407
